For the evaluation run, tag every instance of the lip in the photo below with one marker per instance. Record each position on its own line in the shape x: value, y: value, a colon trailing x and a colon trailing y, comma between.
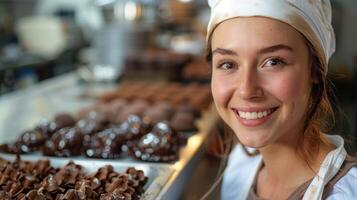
x: 253, y: 122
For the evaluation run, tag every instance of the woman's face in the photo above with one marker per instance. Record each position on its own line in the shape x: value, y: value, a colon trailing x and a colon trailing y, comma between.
x: 261, y: 79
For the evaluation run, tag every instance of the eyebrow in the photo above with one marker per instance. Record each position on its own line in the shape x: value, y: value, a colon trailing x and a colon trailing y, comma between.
x: 261, y: 51
x: 223, y: 51
x: 275, y: 48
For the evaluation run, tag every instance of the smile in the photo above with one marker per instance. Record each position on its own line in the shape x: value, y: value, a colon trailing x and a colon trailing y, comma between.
x: 253, y: 117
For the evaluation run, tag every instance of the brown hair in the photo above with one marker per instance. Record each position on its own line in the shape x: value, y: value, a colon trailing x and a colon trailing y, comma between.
x: 320, y: 115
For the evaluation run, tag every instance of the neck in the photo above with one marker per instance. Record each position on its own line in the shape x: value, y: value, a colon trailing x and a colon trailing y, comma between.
x: 285, y: 167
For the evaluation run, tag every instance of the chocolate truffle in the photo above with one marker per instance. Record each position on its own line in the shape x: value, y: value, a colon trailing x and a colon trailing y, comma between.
x: 83, y: 113
x: 135, y: 127
x: 185, y: 107
x: 118, y: 104
x: 161, y: 111
x: 65, y: 142
x: 95, y: 122
x: 160, y: 145
x: 12, y: 147
x: 183, y: 122
x: 29, y: 141
x: 62, y: 120
x: 32, y: 140
x: 110, y: 143
x: 135, y: 108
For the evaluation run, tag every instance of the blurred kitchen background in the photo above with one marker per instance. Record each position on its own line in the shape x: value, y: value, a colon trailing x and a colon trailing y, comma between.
x: 40, y: 39
x: 109, y: 40
x: 100, y: 40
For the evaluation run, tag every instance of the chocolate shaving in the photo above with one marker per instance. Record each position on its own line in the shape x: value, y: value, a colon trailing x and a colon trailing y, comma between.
x: 38, y: 180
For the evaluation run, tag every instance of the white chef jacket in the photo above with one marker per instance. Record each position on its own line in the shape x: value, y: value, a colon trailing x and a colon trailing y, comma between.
x: 241, y: 171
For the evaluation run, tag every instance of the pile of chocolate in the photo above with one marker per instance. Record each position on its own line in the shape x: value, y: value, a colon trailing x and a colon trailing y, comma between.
x: 181, y: 117
x: 96, y: 138
x: 193, y: 94
x: 32, y: 140
x: 177, y: 103
x: 123, y: 124
x: 39, y: 180
x: 197, y: 70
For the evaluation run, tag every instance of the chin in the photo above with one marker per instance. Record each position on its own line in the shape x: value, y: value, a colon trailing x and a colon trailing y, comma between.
x: 253, y: 140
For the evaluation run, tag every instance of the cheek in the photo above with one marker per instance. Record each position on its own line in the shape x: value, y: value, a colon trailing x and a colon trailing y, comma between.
x: 290, y: 89
x: 222, y: 90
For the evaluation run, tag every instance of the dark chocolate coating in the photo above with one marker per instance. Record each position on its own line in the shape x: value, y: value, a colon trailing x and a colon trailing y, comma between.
x: 183, y: 122
x: 160, y: 145
x: 65, y: 142
x: 161, y: 111
x: 110, y: 143
x: 62, y: 120
x: 28, y: 141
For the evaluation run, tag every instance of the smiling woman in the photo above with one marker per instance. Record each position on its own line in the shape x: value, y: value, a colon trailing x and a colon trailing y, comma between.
x: 269, y: 63
x: 266, y: 74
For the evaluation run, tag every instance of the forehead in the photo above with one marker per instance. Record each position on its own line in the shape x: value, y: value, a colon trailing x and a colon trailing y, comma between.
x: 255, y: 32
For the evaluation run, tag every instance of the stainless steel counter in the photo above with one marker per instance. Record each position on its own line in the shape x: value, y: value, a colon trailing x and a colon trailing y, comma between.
x: 23, y: 109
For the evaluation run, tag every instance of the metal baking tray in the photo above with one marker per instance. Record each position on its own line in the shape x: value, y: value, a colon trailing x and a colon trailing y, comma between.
x: 128, y: 159
x: 158, y: 174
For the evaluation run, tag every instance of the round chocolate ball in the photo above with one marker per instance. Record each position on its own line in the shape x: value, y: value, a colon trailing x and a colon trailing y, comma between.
x: 65, y: 142
x: 183, y: 122
x: 108, y: 144
x: 160, y: 145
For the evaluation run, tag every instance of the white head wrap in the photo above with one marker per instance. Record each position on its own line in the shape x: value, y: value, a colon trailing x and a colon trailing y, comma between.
x: 312, y: 18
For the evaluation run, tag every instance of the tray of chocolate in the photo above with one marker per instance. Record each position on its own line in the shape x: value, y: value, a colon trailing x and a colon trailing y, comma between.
x: 194, y: 94
x: 151, y: 127
x: 32, y: 179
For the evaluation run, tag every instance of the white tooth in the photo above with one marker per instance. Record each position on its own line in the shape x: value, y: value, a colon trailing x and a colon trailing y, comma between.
x: 241, y: 114
x: 254, y: 115
x: 265, y: 113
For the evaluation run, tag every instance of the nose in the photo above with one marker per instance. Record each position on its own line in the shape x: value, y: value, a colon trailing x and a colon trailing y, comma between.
x: 249, y: 86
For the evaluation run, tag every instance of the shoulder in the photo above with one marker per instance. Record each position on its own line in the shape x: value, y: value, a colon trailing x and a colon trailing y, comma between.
x: 240, y: 168
x: 346, y: 187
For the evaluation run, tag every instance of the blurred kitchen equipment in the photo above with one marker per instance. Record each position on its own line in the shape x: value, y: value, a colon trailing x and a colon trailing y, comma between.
x: 181, y: 11
x: 86, y: 13
x: 44, y: 36
x: 188, y: 43
x: 113, y: 43
x: 127, y: 29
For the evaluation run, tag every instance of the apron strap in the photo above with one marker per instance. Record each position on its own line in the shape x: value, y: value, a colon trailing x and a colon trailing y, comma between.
x: 349, y: 163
